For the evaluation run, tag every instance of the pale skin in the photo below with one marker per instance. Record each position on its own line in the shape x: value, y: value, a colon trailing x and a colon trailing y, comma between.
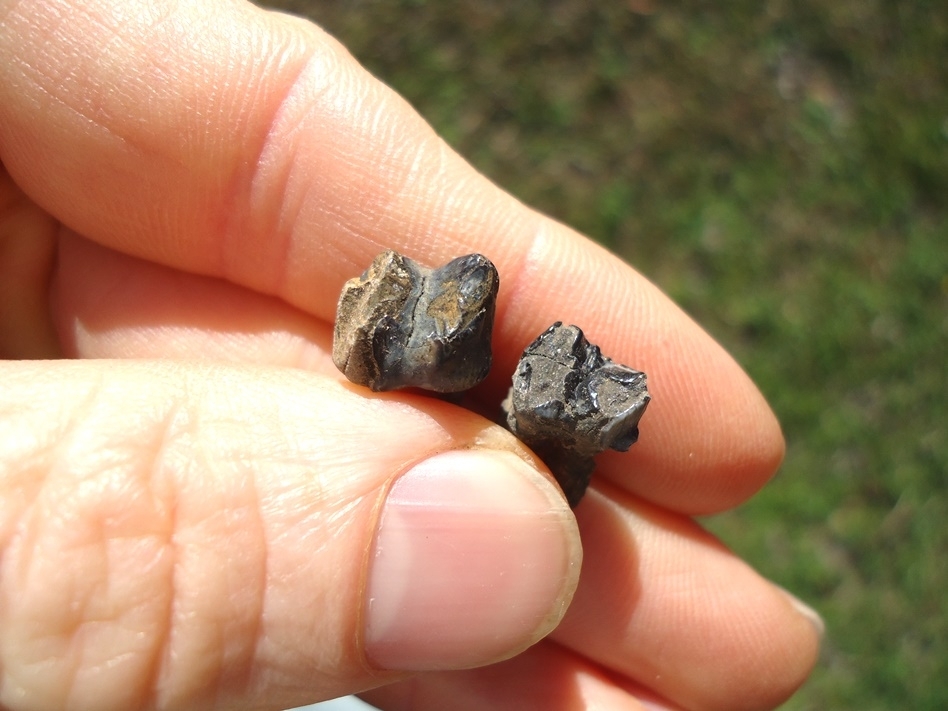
x: 185, y: 187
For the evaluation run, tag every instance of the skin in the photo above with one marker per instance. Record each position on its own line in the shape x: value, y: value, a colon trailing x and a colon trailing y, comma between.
x: 184, y: 189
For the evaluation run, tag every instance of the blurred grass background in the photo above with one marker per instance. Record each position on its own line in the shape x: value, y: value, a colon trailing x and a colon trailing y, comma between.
x: 781, y: 170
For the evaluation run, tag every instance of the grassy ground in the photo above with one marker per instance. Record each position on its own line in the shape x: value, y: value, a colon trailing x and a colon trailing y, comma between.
x: 781, y: 169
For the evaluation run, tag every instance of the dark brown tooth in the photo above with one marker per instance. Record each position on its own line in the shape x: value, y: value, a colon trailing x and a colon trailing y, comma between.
x: 568, y: 403
x: 404, y: 325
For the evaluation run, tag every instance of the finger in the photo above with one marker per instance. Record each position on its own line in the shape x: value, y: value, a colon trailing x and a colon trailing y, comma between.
x: 662, y: 603
x: 111, y: 305
x: 27, y: 238
x: 182, y: 536
x: 544, y: 678
x: 249, y: 146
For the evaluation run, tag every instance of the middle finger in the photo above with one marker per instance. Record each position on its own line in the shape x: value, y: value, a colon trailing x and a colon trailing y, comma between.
x: 665, y: 604
x: 110, y: 305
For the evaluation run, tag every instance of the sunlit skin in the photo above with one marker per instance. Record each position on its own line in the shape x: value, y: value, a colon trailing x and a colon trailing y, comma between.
x: 185, y: 189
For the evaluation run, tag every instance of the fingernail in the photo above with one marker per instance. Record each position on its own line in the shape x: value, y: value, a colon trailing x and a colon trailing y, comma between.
x: 811, y: 615
x: 476, y: 557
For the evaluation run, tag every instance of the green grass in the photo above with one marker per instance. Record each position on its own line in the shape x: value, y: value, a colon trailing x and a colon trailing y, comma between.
x: 781, y: 170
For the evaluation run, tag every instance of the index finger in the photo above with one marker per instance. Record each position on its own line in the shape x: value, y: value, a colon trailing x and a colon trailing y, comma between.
x: 232, y: 142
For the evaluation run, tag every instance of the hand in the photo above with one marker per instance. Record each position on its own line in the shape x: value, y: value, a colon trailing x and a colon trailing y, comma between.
x: 213, y: 518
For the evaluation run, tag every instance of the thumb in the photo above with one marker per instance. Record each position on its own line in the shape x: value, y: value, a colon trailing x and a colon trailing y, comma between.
x: 177, y: 535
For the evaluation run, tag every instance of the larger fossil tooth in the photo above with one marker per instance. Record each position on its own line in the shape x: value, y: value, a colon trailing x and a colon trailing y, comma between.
x: 404, y: 325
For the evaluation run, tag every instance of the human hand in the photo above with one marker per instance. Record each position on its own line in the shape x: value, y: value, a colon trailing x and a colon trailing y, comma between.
x: 202, y: 521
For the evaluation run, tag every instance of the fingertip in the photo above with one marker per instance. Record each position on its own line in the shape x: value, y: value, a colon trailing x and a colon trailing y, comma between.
x: 708, y: 440
x: 663, y: 602
x: 772, y: 651
x: 476, y: 557
x: 707, y: 443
